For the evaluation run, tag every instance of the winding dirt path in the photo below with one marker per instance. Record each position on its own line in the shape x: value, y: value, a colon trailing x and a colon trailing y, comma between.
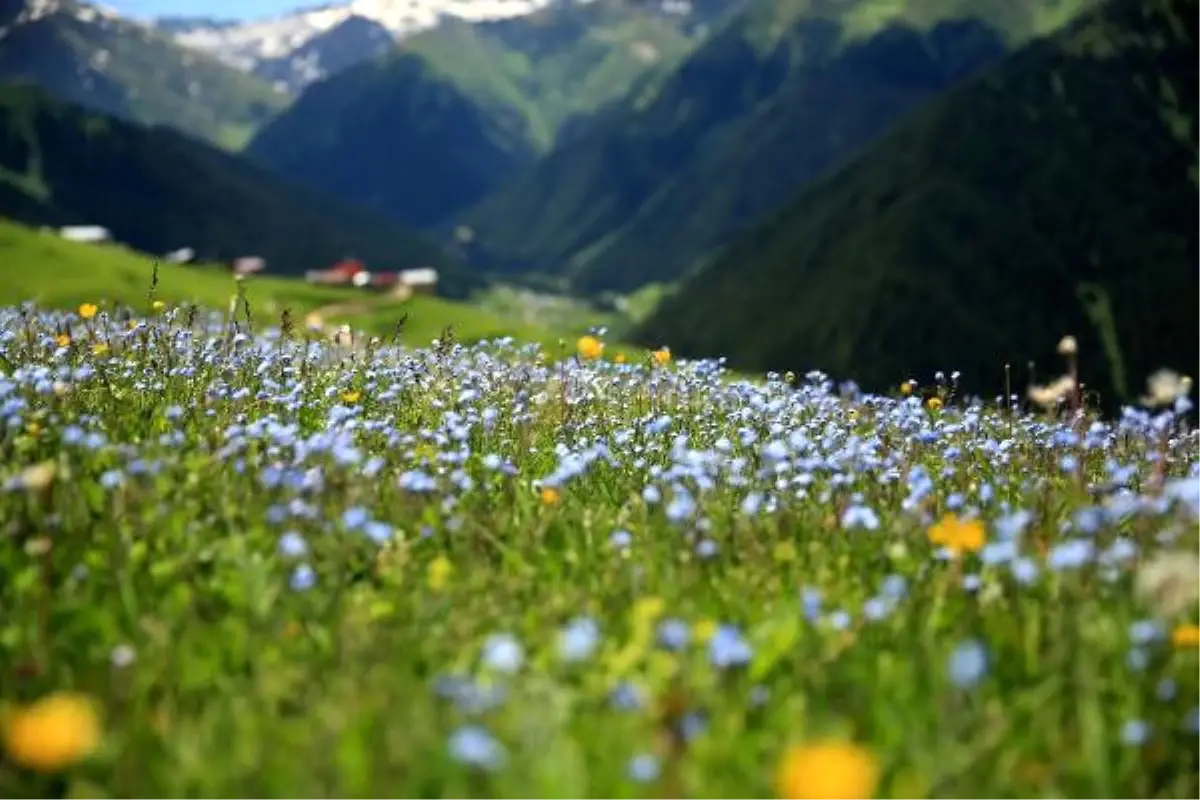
x: 345, y: 308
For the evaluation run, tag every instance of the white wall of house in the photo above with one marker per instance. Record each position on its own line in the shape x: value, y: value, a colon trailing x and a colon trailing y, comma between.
x: 85, y: 233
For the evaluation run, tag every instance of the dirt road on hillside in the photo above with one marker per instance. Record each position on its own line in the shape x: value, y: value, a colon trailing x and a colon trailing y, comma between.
x: 346, y: 308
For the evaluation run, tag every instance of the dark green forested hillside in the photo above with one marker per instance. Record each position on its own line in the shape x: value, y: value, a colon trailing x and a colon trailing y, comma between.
x: 414, y: 155
x: 783, y: 93
x: 432, y: 127
x: 158, y: 190
x: 1056, y: 194
x: 92, y: 58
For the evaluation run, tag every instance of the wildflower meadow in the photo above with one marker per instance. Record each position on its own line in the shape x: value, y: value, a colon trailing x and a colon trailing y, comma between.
x: 240, y: 560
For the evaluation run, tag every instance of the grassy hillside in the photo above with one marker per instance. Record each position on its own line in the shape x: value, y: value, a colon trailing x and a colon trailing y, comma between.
x: 429, y: 317
x: 87, y: 57
x: 158, y: 190
x: 42, y: 268
x: 436, y: 125
x: 1056, y: 194
x: 780, y: 95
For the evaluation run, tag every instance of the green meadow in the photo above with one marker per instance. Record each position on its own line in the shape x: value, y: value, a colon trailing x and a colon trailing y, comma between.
x: 243, y: 561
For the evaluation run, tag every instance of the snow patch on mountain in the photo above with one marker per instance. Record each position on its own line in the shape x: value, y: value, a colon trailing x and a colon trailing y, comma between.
x: 33, y: 10
x: 247, y: 45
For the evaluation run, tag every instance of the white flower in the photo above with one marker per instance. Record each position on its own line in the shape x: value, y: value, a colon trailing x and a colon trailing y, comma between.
x: 1164, y: 387
x: 1052, y: 394
x: 122, y: 656
x: 1170, y: 581
x: 38, y: 477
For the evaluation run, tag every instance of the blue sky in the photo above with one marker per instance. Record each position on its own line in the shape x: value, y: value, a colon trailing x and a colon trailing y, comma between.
x: 234, y: 9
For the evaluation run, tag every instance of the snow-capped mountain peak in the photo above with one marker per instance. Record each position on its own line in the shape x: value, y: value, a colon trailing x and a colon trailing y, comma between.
x: 247, y: 45
x: 33, y: 10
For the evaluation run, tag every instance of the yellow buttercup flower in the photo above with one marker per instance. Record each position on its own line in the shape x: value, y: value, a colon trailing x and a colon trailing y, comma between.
x: 62, y: 340
x: 589, y: 347
x: 662, y: 356
x: 828, y: 770
x: 958, y: 535
x: 88, y: 310
x: 350, y: 397
x: 703, y: 630
x: 1186, y: 636
x: 907, y: 387
x: 53, y: 733
x: 649, y: 608
x: 550, y: 496
x: 934, y: 403
x: 619, y: 358
x: 438, y: 573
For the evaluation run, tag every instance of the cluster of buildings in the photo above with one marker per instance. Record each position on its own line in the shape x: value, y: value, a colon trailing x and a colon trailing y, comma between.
x: 347, y: 272
x: 352, y: 272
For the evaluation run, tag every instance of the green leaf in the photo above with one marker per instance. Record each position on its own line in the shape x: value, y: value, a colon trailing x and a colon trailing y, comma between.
x: 773, y: 640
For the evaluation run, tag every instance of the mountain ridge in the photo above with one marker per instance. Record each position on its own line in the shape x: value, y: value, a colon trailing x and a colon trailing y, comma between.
x: 97, y: 58
x: 270, y: 46
x: 435, y: 124
x: 679, y: 181
x: 1009, y: 212
x: 157, y: 190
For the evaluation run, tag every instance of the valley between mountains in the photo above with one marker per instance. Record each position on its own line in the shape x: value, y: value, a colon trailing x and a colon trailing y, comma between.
x: 851, y: 185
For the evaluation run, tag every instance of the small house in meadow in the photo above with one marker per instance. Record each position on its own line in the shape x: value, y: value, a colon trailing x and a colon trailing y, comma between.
x: 340, y: 274
x: 248, y: 265
x: 184, y: 255
x: 423, y: 280
x: 89, y: 234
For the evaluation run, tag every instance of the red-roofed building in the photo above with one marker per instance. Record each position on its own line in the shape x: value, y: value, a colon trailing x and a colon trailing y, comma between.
x: 383, y: 280
x: 348, y: 267
x: 339, y: 274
